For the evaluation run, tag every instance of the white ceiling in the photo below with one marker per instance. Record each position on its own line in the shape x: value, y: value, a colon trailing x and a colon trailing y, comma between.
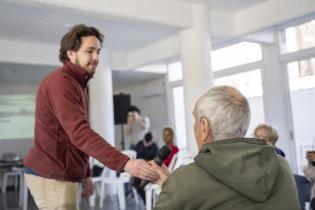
x: 230, y: 6
x: 35, y: 21
x: 38, y: 23
x: 124, y: 79
x: 26, y: 21
x: 13, y: 73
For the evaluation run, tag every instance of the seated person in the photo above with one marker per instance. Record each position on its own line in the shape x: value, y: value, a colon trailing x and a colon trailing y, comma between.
x: 147, y: 150
x: 230, y: 171
x: 270, y: 134
x: 168, y: 138
x: 309, y: 172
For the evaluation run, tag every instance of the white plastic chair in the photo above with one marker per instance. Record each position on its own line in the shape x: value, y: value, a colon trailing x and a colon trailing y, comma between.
x: 130, y: 153
x: 171, y: 166
x: 109, y: 177
x: 97, y: 181
x: 118, y: 182
x: 23, y: 194
x: 152, y: 191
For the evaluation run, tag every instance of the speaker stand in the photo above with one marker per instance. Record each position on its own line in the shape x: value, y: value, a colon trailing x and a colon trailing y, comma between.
x: 122, y: 137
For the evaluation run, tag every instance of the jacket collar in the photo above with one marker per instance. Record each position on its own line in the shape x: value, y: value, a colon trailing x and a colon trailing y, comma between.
x: 77, y: 73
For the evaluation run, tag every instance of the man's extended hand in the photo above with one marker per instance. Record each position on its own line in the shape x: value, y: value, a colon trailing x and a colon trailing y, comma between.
x: 162, y: 171
x: 88, y: 187
x: 141, y: 169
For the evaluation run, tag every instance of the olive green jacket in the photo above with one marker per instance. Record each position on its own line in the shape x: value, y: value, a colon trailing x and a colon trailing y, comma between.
x: 234, y: 174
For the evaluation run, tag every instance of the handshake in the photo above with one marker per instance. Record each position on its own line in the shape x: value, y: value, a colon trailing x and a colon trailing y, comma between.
x: 152, y: 171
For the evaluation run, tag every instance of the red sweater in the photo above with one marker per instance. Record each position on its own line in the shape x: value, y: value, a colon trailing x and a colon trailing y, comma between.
x: 64, y: 139
x: 174, y: 150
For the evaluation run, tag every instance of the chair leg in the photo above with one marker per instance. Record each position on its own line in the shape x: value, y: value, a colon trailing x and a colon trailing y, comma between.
x: 21, y: 190
x: 25, y: 196
x: 121, y: 195
x: 154, y: 197
x: 148, y: 197
x: 16, y: 179
x: 102, y: 194
x: 135, y: 194
x: 92, y: 200
x: 4, y: 184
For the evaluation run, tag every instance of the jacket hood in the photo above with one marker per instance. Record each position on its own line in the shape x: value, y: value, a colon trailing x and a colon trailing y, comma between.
x: 249, y: 166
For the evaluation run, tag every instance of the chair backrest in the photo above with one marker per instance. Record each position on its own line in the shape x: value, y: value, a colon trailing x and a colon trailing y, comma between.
x: 304, y: 189
x: 130, y: 153
x: 171, y: 166
x: 183, y: 158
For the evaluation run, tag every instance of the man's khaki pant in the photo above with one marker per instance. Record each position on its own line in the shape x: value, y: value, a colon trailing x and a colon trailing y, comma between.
x: 50, y: 194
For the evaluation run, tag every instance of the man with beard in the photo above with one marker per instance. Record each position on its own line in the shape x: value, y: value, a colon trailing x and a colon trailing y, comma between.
x: 64, y: 140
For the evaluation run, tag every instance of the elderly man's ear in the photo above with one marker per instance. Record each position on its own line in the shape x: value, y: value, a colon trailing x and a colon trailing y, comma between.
x: 205, y: 132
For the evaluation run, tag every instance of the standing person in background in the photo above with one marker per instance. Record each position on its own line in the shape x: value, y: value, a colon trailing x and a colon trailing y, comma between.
x: 270, y: 134
x: 64, y: 139
x: 137, y: 126
x: 168, y: 138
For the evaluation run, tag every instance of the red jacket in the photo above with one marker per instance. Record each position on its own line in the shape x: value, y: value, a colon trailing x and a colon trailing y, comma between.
x: 64, y: 139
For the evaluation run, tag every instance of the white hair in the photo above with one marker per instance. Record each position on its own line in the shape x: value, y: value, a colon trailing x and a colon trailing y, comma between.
x: 226, y: 110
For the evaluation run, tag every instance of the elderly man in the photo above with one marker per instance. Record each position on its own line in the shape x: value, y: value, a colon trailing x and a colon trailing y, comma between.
x: 230, y: 171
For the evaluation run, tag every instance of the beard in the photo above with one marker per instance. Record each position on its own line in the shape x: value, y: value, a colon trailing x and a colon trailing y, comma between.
x: 88, y: 67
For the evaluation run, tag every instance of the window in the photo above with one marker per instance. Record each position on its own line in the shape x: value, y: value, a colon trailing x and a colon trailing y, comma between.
x: 301, y: 76
x: 175, y: 76
x: 175, y: 72
x: 179, y: 109
x: 249, y: 83
x: 235, y: 55
x: 299, y: 37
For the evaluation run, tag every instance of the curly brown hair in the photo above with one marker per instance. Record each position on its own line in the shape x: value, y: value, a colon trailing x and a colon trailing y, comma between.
x: 72, y: 40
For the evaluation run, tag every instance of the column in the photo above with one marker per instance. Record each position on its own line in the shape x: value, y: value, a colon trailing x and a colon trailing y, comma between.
x: 101, y: 99
x: 196, y: 65
x: 276, y: 101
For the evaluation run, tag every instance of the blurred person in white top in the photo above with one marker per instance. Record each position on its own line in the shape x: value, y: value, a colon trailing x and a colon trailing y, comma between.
x: 137, y: 126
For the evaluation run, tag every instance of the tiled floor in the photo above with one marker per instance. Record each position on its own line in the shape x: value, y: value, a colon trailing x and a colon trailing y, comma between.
x: 10, y: 200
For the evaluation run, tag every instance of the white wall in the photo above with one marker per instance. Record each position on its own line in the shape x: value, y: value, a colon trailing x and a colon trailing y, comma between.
x: 18, y: 146
x: 154, y: 107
